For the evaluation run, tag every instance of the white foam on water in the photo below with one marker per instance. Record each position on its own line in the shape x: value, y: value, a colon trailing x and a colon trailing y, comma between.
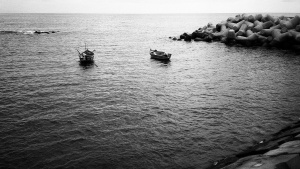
x: 28, y: 32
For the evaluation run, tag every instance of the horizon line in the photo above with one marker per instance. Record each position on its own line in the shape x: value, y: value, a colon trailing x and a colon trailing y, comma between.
x: 149, y: 13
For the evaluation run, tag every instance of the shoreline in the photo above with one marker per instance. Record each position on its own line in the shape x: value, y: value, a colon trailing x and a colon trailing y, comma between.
x: 280, y: 151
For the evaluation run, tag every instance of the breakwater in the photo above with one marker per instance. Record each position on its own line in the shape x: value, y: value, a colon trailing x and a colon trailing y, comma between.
x: 251, y: 30
x: 280, y: 151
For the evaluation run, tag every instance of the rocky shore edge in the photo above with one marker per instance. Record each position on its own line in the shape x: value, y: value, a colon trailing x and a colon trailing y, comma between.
x: 251, y: 30
x: 281, y: 151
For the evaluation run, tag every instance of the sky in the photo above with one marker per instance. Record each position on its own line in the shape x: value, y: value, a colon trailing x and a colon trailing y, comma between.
x: 149, y: 6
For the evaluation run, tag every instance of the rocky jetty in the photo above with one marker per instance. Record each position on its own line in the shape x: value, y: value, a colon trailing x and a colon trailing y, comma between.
x: 251, y: 30
x: 281, y: 151
x: 26, y: 32
x: 44, y: 32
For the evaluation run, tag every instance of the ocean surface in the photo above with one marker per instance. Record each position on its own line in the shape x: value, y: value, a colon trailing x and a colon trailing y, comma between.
x: 128, y: 111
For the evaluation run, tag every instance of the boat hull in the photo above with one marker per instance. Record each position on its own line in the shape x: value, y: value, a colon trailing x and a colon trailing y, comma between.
x: 158, y: 57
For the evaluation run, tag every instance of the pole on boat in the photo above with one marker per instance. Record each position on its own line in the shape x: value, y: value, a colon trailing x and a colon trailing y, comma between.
x: 78, y: 51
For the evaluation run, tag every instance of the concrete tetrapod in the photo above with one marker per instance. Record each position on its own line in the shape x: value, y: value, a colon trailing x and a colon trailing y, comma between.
x: 291, y: 24
x: 258, y: 17
x: 242, y: 30
x: 223, y: 32
x: 295, y: 34
x: 279, y: 38
x: 251, y: 18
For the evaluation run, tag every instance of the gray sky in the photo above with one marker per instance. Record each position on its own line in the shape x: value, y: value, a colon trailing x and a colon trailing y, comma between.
x: 149, y: 6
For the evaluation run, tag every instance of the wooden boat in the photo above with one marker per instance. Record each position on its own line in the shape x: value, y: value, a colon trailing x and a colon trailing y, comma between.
x: 159, y: 55
x: 87, y: 56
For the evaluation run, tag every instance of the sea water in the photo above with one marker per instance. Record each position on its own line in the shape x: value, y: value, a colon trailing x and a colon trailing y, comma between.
x: 126, y: 110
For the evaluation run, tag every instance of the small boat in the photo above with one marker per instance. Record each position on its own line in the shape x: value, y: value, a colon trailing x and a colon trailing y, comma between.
x: 87, y: 56
x: 159, y: 55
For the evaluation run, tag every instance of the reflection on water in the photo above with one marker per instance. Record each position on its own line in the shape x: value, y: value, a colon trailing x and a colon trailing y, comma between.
x: 87, y: 65
x: 162, y: 63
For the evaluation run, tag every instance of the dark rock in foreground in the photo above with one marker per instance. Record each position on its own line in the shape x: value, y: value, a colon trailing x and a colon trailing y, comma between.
x: 280, y: 152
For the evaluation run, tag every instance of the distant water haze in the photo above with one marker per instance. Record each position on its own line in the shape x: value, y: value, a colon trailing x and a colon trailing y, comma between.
x: 149, y: 6
x: 209, y: 101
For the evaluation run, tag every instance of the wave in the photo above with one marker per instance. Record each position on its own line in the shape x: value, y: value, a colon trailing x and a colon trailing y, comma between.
x: 31, y: 32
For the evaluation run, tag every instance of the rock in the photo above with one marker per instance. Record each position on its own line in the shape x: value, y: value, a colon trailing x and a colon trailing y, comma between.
x: 200, y: 34
x: 203, y: 28
x: 208, y: 38
x: 248, y: 33
x: 238, y: 25
x: 297, y: 28
x: 294, y: 163
x: 295, y: 35
x: 262, y: 162
x: 284, y: 29
x: 292, y: 147
x: 247, y: 41
x: 262, y: 40
x: 198, y: 39
x: 231, y: 34
x: 261, y: 26
x: 245, y: 16
x: 272, y: 144
x: 188, y: 38
x: 209, y: 30
x: 251, y: 18
x: 194, y: 35
x: 242, y: 30
x: 237, y: 18
x: 268, y: 18
x: 277, y: 21
x: 210, y: 25
x: 220, y: 35
x: 281, y: 17
x: 291, y: 24
x: 257, y: 26
x: 229, y: 25
x: 279, y: 38
x: 223, y: 40
x: 258, y: 17
x: 291, y: 144
x: 266, y: 32
x: 45, y: 32
x: 230, y: 19
x: 276, y: 27
x: 250, y: 25
x: 221, y: 26
x: 267, y: 25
